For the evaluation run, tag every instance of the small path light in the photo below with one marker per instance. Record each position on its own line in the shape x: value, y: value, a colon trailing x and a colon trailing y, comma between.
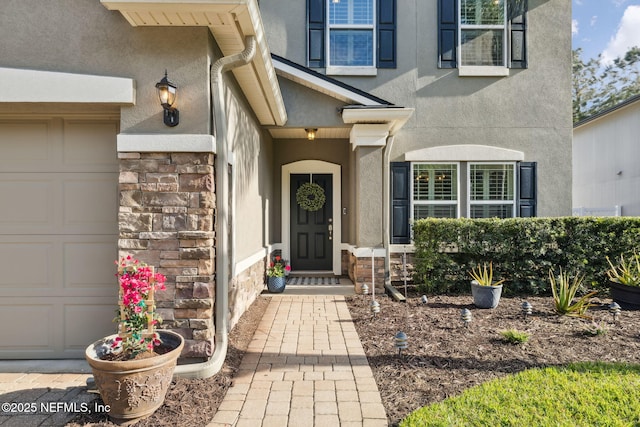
x: 402, y: 341
x: 424, y: 299
x: 365, y: 289
x: 465, y: 316
x: 614, y: 309
x: 527, y: 309
x: 375, y: 307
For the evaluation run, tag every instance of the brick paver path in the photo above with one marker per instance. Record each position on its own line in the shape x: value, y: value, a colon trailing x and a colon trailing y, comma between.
x: 304, y: 367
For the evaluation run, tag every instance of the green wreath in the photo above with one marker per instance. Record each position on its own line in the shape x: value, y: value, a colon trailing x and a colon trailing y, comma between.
x: 310, y: 197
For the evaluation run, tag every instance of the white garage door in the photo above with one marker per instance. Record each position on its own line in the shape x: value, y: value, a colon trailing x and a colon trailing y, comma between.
x: 58, y: 235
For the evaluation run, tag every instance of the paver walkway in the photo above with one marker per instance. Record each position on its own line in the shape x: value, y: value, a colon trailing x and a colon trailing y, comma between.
x: 41, y: 399
x: 304, y: 367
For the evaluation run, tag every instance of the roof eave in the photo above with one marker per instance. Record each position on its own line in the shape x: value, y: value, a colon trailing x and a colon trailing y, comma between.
x: 230, y: 21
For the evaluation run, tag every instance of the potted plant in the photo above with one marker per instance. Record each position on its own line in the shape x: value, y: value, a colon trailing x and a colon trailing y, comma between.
x: 133, y: 368
x: 624, y: 281
x: 486, y: 293
x: 276, y: 273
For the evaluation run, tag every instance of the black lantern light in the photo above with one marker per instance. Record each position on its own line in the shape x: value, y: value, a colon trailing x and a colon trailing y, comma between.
x: 167, y: 93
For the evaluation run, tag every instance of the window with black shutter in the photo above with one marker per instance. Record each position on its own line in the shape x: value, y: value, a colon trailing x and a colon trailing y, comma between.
x: 351, y: 35
x: 482, y: 33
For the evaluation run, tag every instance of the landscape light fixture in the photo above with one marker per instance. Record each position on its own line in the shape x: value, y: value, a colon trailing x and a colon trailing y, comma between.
x: 167, y: 93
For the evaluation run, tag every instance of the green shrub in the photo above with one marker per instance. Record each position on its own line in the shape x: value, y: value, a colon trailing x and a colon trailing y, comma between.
x: 522, y: 249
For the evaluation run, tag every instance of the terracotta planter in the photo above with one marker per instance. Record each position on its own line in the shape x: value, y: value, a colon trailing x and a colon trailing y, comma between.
x: 627, y: 296
x: 276, y: 284
x: 135, y: 388
x: 485, y: 296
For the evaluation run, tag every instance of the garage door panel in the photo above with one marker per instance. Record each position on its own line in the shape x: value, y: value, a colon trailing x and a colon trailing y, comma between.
x: 24, y: 143
x: 27, y: 327
x: 59, y: 203
x: 26, y: 265
x: 86, y: 323
x: 90, y: 204
x: 91, y: 264
x: 27, y: 201
x: 90, y: 146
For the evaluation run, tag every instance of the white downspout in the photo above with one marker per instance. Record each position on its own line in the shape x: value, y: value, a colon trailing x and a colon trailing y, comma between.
x: 215, y: 362
x: 386, y: 208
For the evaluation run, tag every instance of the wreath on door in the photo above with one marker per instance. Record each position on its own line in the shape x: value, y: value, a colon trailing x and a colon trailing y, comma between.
x: 310, y: 197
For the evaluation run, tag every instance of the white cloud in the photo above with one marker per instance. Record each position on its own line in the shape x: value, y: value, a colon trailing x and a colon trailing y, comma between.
x: 574, y: 27
x: 627, y: 36
x: 593, y: 21
x: 619, y: 3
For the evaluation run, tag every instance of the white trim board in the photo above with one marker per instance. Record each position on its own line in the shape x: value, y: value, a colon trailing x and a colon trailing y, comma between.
x: 19, y: 85
x: 311, y: 167
x: 166, y: 143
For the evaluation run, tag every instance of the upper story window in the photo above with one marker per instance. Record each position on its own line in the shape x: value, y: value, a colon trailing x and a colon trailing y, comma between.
x: 351, y: 37
x: 482, y: 37
x: 351, y: 33
x: 482, y: 32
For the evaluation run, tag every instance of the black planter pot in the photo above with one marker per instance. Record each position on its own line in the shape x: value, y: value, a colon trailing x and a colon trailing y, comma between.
x: 627, y: 296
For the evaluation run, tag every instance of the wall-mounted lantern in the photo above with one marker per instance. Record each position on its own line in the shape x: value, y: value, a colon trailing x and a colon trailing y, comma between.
x: 167, y: 92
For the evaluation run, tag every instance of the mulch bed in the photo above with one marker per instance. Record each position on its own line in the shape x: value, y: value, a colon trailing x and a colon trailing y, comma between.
x: 444, y: 357
x: 193, y: 402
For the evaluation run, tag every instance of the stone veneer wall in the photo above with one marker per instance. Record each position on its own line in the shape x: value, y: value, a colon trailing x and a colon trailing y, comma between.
x: 167, y: 207
x: 244, y: 289
x: 395, y: 265
x: 360, y: 272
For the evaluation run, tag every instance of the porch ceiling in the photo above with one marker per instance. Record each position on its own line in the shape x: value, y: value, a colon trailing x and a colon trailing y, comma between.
x: 299, y: 133
x: 230, y: 21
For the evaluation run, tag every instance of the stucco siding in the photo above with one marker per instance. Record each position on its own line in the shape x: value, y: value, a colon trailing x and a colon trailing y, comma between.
x: 80, y: 36
x: 528, y: 111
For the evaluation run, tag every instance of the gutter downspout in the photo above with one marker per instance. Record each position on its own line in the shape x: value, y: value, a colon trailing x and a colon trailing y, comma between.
x: 386, y: 208
x: 221, y: 342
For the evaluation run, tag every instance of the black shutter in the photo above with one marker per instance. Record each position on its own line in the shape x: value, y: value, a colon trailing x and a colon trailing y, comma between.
x: 400, y: 202
x: 517, y: 12
x: 447, y: 33
x: 316, y: 26
x: 386, y: 34
x: 527, y: 184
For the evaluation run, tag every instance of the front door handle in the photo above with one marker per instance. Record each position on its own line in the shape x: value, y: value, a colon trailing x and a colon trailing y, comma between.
x: 330, y: 231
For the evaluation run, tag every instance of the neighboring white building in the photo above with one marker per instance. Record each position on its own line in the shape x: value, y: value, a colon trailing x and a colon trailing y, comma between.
x: 606, y: 170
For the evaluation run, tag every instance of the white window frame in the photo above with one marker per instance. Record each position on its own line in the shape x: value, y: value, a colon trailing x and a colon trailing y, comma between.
x: 483, y: 70
x: 491, y: 202
x: 434, y: 202
x: 347, y: 70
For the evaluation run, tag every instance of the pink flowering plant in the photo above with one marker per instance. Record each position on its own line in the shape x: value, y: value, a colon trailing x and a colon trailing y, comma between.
x: 138, y: 316
x: 277, y: 267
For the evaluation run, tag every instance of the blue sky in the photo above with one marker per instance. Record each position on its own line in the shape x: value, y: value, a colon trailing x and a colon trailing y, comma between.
x: 607, y: 27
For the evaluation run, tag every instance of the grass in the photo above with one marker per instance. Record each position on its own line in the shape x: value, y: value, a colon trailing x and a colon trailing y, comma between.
x: 514, y: 336
x: 582, y: 394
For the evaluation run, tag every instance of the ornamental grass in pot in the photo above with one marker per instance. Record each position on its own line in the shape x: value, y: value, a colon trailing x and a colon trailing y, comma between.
x: 624, y: 281
x: 133, y: 368
x: 485, y: 291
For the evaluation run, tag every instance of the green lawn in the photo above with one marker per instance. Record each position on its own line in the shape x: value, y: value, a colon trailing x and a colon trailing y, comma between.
x: 583, y: 394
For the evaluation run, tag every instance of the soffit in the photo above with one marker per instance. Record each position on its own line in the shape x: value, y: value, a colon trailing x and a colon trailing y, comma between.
x: 230, y: 21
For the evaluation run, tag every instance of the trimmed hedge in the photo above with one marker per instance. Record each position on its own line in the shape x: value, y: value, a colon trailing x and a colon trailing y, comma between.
x: 522, y: 250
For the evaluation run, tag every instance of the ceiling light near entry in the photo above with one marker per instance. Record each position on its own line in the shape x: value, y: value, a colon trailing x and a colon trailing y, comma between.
x: 311, y: 133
